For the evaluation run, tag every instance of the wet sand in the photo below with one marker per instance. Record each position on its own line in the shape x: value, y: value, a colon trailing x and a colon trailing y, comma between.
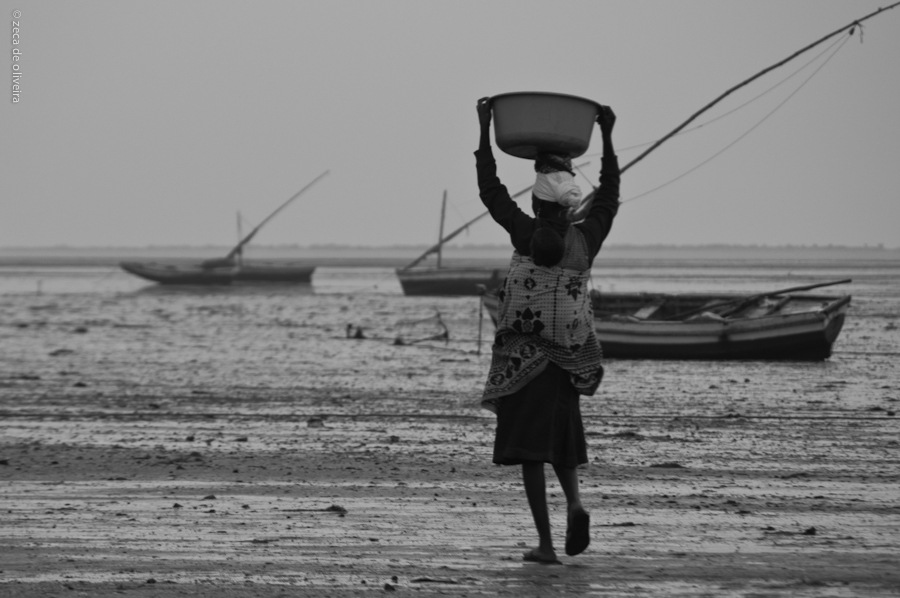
x: 238, y: 444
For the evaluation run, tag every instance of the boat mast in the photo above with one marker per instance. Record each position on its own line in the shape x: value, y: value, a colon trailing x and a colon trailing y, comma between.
x: 240, y: 236
x: 441, y: 231
x: 240, y: 246
x: 437, y: 247
x: 442, y: 239
x: 851, y: 26
x: 580, y: 211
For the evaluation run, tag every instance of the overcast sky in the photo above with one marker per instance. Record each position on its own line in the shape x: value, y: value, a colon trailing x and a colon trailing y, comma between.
x: 154, y: 123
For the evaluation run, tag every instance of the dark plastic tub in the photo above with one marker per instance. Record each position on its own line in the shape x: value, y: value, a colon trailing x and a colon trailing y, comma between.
x: 531, y: 122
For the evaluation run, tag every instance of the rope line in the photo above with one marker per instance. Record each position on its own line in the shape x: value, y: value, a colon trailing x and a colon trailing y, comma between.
x: 733, y: 110
x: 590, y: 182
x: 727, y: 147
x: 852, y: 26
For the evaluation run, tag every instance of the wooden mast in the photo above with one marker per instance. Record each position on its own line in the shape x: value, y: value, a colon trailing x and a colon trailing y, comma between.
x: 437, y: 247
x: 851, y: 26
x: 441, y: 230
x: 441, y: 240
x: 579, y: 212
x: 237, y: 251
x: 240, y: 255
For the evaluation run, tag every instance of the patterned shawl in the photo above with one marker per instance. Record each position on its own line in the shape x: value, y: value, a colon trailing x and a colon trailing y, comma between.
x: 544, y: 315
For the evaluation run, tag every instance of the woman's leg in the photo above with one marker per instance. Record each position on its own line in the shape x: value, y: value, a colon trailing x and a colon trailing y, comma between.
x: 536, y: 492
x: 578, y: 532
x: 568, y: 479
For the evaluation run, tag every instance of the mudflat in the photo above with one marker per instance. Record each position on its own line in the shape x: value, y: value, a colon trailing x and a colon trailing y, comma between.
x: 240, y: 444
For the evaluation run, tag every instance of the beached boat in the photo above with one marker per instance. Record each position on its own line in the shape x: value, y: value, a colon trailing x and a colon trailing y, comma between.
x: 779, y: 325
x: 230, y: 269
x: 246, y: 272
x: 172, y: 274
x: 441, y: 280
x: 449, y: 281
x: 273, y: 272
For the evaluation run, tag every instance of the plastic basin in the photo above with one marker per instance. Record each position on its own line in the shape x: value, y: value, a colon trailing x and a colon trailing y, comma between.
x: 531, y: 122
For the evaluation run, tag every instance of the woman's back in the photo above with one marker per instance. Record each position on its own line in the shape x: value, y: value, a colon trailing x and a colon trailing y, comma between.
x: 576, y: 256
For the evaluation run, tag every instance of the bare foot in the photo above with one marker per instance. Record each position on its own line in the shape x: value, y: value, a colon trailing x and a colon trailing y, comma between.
x: 539, y: 555
x: 578, y: 534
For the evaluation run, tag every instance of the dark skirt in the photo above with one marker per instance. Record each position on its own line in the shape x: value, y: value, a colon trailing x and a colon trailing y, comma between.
x: 541, y: 422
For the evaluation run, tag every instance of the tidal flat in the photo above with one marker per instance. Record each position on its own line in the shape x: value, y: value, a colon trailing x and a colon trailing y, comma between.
x: 236, y: 443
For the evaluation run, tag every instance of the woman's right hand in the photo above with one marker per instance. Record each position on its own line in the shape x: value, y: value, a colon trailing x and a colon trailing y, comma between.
x: 484, y: 112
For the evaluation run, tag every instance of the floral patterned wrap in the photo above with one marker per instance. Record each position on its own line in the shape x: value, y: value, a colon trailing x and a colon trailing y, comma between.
x: 544, y: 315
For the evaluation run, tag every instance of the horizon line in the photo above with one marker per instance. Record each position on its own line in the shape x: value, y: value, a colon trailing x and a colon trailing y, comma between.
x: 878, y: 246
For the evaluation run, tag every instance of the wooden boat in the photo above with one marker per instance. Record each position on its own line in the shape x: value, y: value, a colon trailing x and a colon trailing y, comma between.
x: 273, y: 272
x: 781, y: 325
x: 172, y: 274
x: 197, y: 275
x: 440, y: 280
x: 449, y: 281
x: 230, y: 269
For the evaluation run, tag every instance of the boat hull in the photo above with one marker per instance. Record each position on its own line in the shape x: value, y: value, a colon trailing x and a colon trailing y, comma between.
x: 802, y: 337
x: 193, y: 275
x: 805, y: 333
x: 449, y: 281
x: 267, y: 273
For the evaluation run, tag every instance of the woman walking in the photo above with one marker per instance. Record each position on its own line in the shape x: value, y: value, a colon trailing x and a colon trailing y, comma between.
x: 545, y: 352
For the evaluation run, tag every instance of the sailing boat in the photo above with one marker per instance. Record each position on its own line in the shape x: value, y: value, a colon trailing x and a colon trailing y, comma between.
x: 452, y: 281
x: 447, y: 281
x: 229, y: 269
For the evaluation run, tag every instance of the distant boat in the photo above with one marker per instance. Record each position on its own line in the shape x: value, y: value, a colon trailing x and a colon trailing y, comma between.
x: 449, y: 281
x: 772, y: 326
x: 230, y: 269
x: 197, y: 275
x: 441, y: 280
x: 445, y: 281
x: 273, y: 272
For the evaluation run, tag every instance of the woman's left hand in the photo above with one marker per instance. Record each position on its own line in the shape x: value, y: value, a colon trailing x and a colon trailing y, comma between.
x: 606, y: 118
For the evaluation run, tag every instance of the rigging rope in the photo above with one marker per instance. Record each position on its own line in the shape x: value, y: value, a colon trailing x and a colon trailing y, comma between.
x: 733, y: 110
x: 590, y: 182
x: 851, y: 26
x: 724, y: 149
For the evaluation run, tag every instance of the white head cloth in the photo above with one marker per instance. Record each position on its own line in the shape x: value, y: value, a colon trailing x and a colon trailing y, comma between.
x: 558, y: 187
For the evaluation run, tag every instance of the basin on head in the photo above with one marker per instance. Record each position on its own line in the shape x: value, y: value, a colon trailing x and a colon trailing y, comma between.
x: 531, y: 122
